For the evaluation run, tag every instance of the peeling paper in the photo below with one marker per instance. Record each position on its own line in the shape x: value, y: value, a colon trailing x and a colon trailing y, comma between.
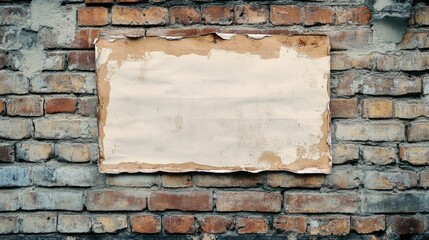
x: 200, y: 104
x: 257, y: 36
x: 225, y: 36
x: 171, y: 37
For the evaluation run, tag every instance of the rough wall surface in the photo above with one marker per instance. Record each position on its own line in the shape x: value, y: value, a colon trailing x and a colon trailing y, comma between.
x: 50, y: 184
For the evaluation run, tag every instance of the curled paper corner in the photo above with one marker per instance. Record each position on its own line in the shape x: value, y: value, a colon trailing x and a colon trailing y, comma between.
x: 258, y: 36
x: 225, y: 36
x: 95, y: 41
x: 171, y: 37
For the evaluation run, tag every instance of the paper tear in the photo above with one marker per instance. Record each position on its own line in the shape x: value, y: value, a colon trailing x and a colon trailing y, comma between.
x: 225, y: 36
x: 171, y: 37
x: 258, y: 36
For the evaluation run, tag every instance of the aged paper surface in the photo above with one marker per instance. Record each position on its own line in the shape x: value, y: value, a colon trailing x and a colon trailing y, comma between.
x: 242, y: 103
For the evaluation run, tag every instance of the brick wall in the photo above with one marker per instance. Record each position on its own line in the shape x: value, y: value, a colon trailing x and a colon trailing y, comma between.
x: 50, y: 185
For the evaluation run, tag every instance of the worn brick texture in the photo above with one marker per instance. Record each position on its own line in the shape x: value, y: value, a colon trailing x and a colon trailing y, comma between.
x: 50, y: 187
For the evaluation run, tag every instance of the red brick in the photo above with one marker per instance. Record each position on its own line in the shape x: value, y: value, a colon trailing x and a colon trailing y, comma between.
x: 318, y: 15
x: 2, y: 107
x: 60, y: 105
x: 250, y: 14
x: 368, y: 224
x: 221, y: 15
x: 346, y: 39
x: 290, y: 224
x: 84, y: 38
x: 215, y: 224
x: 343, y: 108
x: 415, y: 39
x: 139, y: 16
x: 418, y: 131
x: 7, y: 153
x: 146, y: 223
x: 290, y: 180
x: 55, y: 61
x: 116, y: 200
x: 179, y: 224
x: 377, y: 108
x: 379, y: 155
x: 329, y: 225
x: 285, y: 15
x: 354, y: 15
x: 390, y: 179
x: 184, y: 201
x: 176, y: 180
x: 321, y: 202
x: 184, y: 15
x: 98, y: 1
x: 406, y: 225
x: 405, y: 61
x: 422, y: 15
x: 25, y: 106
x: 88, y: 106
x: 82, y: 60
x: 93, y: 16
x: 181, y: 32
x: 343, y: 178
x: 228, y: 180
x: 345, y: 61
x: 342, y: 153
x: 251, y: 225
x: 228, y: 201
x: 415, y: 154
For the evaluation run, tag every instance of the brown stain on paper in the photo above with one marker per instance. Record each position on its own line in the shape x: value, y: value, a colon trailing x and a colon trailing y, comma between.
x: 266, y: 48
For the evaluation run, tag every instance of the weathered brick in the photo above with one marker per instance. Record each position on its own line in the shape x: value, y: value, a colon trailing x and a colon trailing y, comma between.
x: 343, y: 108
x: 183, y: 201
x: 422, y: 15
x: 290, y: 180
x: 415, y: 154
x: 342, y: 153
x: 377, y: 108
x: 370, y: 131
x: 390, y: 180
x: 98, y: 1
x: 221, y: 15
x: 139, y: 16
x: 65, y: 128
x: 329, y: 225
x: 147, y: 223
x: 415, y: 39
x: 76, y: 152
x: 346, y: 39
x: 424, y: 179
x: 93, y: 16
x: 55, y: 199
x: 321, y: 202
x: 405, y: 61
x: 39, y: 222
x: 379, y: 155
x: 79, y: 176
x: 250, y: 14
x: 88, y: 106
x: 72, y: 223
x: 8, y: 224
x: 9, y: 200
x: 406, y: 225
x: 353, y: 15
x: 84, y: 38
x: 14, y: 176
x: 251, y: 225
x: 13, y: 15
x: 2, y: 107
x: 9, y: 38
x: 345, y: 61
x: 368, y: 224
x: 34, y: 151
x: 411, y: 109
x: 116, y: 200
x: 418, y: 131
x: 109, y: 223
x: 318, y: 15
x: 13, y: 83
x: 15, y: 128
x: 285, y: 15
x: 64, y: 83
x: 228, y: 180
x: 179, y: 224
x: 215, y: 224
x: 395, y: 202
x: 290, y: 224
x: 25, y: 106
x: 184, y: 15
x: 7, y: 153
x: 133, y: 180
x: 176, y: 180
x: 343, y: 178
x: 54, y: 61
x: 82, y: 60
x: 255, y: 201
x: 63, y: 104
